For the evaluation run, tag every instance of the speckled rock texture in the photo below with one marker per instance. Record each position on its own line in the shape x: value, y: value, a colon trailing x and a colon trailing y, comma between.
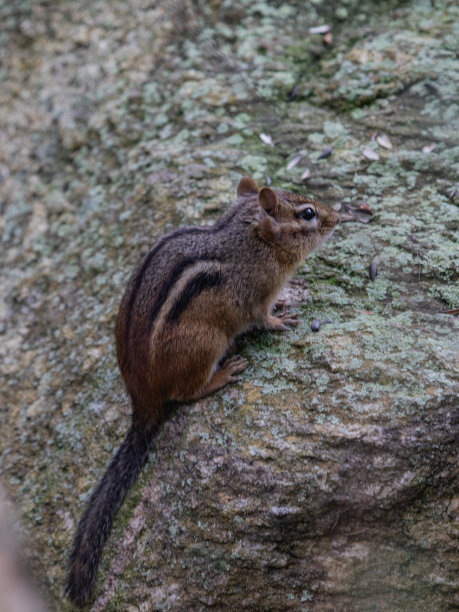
x: 326, y: 480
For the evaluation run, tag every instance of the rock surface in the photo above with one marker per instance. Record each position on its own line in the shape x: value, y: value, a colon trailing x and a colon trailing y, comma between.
x: 327, y: 479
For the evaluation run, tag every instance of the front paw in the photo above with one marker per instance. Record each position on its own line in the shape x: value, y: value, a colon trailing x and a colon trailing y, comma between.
x: 282, y: 322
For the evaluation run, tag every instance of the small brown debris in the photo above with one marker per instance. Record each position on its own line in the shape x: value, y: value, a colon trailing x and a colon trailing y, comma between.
x: 363, y: 206
x: 356, y: 533
x: 453, y: 311
x: 327, y: 38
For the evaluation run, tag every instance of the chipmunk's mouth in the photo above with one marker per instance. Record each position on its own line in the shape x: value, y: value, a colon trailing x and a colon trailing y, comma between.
x: 328, y: 231
x: 325, y: 236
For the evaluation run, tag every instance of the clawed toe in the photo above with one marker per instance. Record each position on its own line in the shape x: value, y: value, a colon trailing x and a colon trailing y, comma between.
x: 234, y: 365
x: 282, y: 322
x: 289, y: 318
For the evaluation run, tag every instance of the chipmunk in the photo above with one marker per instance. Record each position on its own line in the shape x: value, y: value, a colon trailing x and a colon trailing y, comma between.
x: 189, y: 297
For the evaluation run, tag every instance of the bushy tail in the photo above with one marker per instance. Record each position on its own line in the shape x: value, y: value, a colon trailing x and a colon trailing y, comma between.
x: 96, y: 522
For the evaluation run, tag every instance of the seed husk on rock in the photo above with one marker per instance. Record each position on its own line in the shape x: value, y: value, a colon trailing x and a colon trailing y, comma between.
x: 373, y: 270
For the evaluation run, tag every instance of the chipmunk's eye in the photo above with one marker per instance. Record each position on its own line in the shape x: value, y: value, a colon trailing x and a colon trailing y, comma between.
x: 308, y: 213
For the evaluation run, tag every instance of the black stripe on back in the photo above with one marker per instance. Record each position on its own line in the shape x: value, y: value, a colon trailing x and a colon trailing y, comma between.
x: 141, y: 273
x: 146, y: 263
x: 195, y: 286
x: 170, y: 281
x: 154, y: 251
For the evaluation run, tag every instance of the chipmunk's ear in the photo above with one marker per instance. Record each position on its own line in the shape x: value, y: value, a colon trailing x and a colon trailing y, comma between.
x: 247, y: 187
x: 268, y: 200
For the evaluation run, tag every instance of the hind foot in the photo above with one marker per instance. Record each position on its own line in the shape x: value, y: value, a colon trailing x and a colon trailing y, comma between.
x: 225, y: 374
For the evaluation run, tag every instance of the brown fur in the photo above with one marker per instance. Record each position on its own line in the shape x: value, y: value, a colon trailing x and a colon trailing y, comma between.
x: 256, y: 245
x: 191, y: 295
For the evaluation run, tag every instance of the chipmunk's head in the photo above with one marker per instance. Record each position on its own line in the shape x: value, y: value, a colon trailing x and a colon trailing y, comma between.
x: 292, y: 224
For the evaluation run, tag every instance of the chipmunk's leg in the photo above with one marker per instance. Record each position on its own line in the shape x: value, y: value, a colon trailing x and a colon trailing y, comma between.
x: 190, y: 369
x: 225, y: 374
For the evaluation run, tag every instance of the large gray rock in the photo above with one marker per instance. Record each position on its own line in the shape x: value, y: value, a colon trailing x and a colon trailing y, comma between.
x: 327, y: 478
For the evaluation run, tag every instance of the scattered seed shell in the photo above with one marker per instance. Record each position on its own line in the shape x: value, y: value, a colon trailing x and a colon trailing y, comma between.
x: 306, y: 174
x: 358, y: 212
x: 386, y: 307
x: 343, y: 217
x: 373, y: 270
x: 452, y: 193
x: 266, y: 139
x: 293, y: 162
x: 370, y: 153
x: 326, y: 153
x: 431, y: 87
x: 337, y: 206
x: 322, y: 29
x: 429, y: 148
x: 327, y: 38
x: 363, y: 207
x: 292, y: 94
x: 268, y: 180
x: 317, y: 323
x: 384, y: 141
